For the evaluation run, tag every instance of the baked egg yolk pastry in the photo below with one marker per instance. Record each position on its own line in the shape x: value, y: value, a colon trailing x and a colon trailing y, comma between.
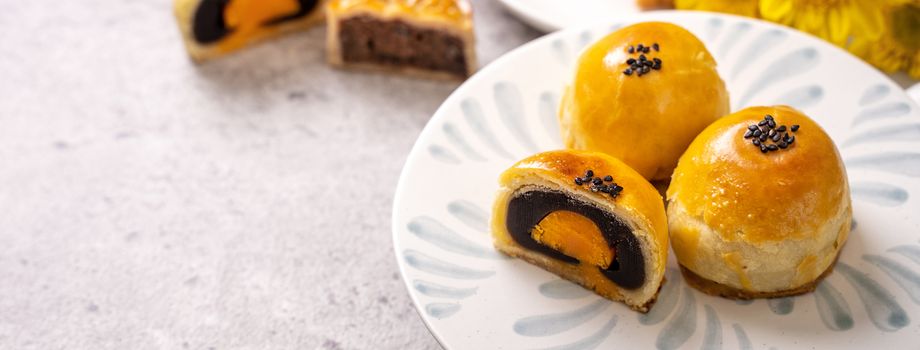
x: 759, y: 205
x: 588, y: 218
x: 641, y: 94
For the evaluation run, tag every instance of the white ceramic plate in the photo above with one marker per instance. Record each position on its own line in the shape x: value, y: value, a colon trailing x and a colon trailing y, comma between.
x: 552, y: 15
x: 473, y: 298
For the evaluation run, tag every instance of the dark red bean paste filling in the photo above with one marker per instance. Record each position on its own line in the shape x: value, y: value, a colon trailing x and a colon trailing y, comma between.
x: 365, y: 39
x: 526, y: 209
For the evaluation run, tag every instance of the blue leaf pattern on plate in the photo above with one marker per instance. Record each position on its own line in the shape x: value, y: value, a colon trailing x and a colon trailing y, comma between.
x: 456, y: 139
x: 883, y: 310
x: 432, y: 231
x: 785, y: 67
x: 443, y: 154
x: 435, y: 266
x: 713, y: 338
x: 591, y: 341
x: 832, y: 307
x: 549, y: 324
x: 682, y: 326
x: 475, y: 118
x: 441, y: 291
x: 508, y: 101
x: 879, y: 193
x: 562, y: 289
x: 470, y: 214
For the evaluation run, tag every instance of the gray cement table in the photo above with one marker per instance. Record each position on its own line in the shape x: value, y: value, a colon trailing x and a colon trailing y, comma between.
x: 148, y: 203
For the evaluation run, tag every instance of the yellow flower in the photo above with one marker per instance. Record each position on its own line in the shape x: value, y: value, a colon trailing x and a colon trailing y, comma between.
x: 850, y: 24
x: 737, y: 7
x: 899, y: 46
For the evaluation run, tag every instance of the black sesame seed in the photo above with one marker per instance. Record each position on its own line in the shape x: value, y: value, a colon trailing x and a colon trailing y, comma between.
x: 795, y: 127
x: 608, y: 178
x: 655, y: 46
x: 631, y: 49
x: 628, y: 71
x: 756, y: 142
x: 748, y: 134
x: 762, y: 123
x: 752, y: 127
x: 782, y: 144
x: 772, y: 147
x: 768, y: 117
x: 781, y: 128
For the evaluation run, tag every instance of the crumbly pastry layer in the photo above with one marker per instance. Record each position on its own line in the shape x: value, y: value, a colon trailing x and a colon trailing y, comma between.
x: 431, y: 38
x: 713, y: 288
x: 641, y: 94
x: 762, y: 215
x: 213, y: 28
x: 637, y: 208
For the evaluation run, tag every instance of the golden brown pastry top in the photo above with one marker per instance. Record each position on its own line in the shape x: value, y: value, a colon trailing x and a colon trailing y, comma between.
x: 457, y: 12
x: 638, y: 197
x: 645, y: 121
x: 744, y: 194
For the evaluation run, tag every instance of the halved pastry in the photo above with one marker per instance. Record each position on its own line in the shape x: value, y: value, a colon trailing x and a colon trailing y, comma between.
x: 430, y: 38
x: 759, y: 205
x: 588, y: 218
x: 212, y: 28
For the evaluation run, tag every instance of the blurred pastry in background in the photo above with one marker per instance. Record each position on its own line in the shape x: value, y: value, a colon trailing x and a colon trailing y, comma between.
x: 430, y: 38
x: 655, y: 4
x: 212, y: 28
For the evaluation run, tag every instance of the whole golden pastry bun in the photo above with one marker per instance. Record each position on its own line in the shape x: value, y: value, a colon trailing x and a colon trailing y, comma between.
x: 639, y: 207
x: 646, y: 121
x: 759, y: 223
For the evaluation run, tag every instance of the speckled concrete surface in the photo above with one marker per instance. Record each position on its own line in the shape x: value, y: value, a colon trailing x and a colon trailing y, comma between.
x: 244, y: 204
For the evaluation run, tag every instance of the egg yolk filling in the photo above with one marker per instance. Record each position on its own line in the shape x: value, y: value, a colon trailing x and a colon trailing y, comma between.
x: 574, y: 235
